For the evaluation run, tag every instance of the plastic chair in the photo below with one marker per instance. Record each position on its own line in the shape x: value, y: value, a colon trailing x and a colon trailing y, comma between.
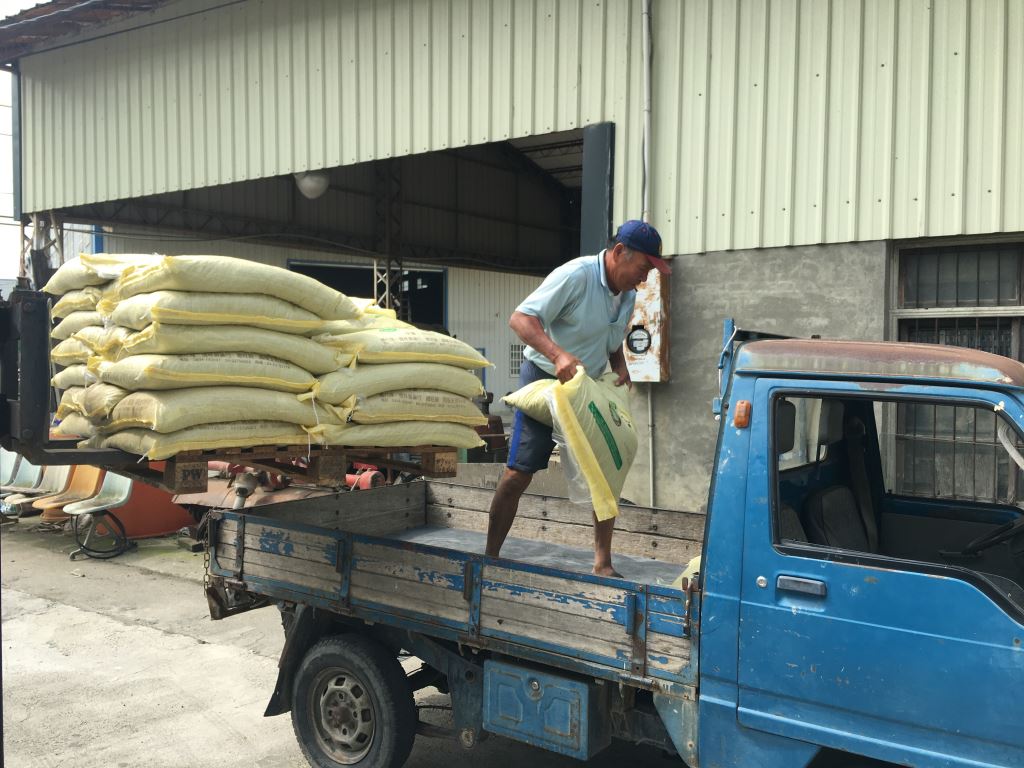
x: 54, y: 480
x: 26, y: 478
x: 84, y: 484
x: 99, y: 521
x: 151, y: 512
x: 9, y: 461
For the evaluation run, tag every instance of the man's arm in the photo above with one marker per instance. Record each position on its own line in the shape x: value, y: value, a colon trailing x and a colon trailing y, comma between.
x: 531, y: 331
x: 618, y: 363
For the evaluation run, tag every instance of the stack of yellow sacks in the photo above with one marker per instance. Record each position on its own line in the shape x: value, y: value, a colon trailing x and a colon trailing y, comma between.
x: 406, y: 386
x: 167, y: 354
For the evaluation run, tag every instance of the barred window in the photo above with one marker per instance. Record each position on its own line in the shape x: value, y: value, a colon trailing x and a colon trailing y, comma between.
x: 515, y: 358
x: 965, y: 296
x: 961, y: 276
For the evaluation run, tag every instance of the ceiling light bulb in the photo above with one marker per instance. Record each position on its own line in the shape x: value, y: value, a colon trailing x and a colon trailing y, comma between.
x: 312, y: 184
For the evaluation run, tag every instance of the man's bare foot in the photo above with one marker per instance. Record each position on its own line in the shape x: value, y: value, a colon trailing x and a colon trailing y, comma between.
x: 606, y: 570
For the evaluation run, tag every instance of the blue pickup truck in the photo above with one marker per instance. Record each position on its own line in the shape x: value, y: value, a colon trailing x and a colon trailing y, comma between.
x: 860, y: 598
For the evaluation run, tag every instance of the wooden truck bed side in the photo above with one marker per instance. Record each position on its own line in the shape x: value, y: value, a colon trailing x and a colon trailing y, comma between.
x: 609, y: 628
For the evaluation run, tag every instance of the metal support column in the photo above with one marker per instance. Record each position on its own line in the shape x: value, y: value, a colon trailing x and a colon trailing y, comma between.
x: 388, y: 272
x: 42, y: 249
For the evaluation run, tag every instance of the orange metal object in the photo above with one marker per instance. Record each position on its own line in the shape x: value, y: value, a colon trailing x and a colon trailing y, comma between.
x: 741, y: 418
x: 84, y: 483
x: 150, y: 511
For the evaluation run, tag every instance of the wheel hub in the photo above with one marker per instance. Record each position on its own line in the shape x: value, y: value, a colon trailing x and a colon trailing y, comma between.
x: 346, y: 720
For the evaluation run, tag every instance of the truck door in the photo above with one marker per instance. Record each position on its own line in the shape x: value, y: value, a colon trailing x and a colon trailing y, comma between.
x: 864, y: 625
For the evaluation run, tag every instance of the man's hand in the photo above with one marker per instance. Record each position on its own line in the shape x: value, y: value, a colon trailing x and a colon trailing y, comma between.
x: 618, y: 363
x: 529, y: 329
x: 565, y: 366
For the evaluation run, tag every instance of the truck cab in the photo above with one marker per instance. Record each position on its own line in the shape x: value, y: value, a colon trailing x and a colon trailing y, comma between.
x: 863, y: 572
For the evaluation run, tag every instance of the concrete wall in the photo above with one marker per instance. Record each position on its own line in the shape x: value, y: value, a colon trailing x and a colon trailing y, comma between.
x: 837, y: 291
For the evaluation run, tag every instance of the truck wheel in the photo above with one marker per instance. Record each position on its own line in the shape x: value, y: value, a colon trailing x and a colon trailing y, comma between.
x: 352, y: 705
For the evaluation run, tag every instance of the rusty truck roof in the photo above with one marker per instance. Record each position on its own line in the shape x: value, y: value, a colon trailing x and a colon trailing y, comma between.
x: 879, y: 360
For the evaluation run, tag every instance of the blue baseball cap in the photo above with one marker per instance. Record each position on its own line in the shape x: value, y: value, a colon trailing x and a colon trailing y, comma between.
x: 641, y: 236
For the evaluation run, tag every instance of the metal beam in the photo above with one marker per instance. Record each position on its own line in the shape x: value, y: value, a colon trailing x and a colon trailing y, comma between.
x: 598, y: 186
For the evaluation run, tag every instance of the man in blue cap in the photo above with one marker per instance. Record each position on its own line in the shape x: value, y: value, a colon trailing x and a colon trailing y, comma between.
x: 577, y: 317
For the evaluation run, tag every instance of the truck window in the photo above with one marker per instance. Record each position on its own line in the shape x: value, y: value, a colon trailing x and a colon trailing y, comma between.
x: 947, y: 451
x: 807, y: 411
x: 932, y: 484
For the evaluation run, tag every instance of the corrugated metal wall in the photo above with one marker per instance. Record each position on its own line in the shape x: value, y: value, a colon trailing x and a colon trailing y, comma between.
x: 479, y: 306
x: 479, y: 302
x: 824, y: 121
x: 776, y: 123
x: 265, y: 88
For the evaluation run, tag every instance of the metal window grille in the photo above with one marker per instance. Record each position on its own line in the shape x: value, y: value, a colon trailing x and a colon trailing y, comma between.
x: 953, y: 296
x: 515, y: 358
x: 999, y: 335
x: 946, y: 451
x: 962, y: 276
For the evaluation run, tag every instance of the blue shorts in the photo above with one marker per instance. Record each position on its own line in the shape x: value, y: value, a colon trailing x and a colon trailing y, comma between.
x: 531, y: 445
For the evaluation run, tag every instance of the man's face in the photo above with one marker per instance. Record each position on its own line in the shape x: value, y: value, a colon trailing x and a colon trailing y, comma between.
x: 633, y: 269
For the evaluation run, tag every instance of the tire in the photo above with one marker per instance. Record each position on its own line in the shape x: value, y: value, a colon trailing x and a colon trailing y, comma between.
x: 338, y: 675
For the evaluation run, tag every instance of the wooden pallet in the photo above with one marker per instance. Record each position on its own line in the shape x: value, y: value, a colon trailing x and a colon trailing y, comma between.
x: 325, y: 465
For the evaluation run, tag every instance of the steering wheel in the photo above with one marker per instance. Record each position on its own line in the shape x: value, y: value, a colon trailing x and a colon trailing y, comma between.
x: 1003, y: 533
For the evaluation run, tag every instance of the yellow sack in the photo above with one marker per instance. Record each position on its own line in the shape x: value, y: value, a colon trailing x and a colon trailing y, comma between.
x: 184, y: 339
x: 82, y: 300
x: 405, y: 345
x: 183, y: 408
x: 413, y: 405
x: 180, y: 371
x: 397, y: 434
x: 99, y: 400
x: 226, y: 274
x: 112, y: 265
x: 691, y: 572
x: 70, y: 352
x: 75, y: 425
x: 533, y: 400
x: 102, y: 340
x: 70, y: 402
x: 369, y: 307
x: 336, y: 388
x: 368, y: 322
x: 72, y: 275
x: 75, y: 322
x: 91, y: 269
x: 72, y: 376
x: 592, y: 422
x: 177, y: 308
x: 207, y: 437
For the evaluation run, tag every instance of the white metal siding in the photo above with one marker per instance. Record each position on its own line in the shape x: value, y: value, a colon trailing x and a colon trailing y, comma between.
x: 266, y: 88
x: 775, y: 123
x: 804, y: 121
x: 479, y: 306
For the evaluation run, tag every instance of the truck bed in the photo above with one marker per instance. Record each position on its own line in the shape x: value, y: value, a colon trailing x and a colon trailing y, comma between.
x: 373, y: 555
x: 546, y: 553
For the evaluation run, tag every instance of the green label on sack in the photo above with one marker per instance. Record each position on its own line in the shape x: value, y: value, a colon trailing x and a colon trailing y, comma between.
x: 613, y: 448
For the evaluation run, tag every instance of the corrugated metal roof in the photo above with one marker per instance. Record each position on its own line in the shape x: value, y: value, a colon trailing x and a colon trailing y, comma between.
x: 23, y: 31
x: 775, y: 124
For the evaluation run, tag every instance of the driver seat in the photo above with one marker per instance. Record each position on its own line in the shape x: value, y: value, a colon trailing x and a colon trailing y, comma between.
x: 832, y: 515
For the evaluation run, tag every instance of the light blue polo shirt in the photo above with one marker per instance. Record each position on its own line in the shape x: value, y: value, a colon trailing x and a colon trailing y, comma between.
x: 580, y: 313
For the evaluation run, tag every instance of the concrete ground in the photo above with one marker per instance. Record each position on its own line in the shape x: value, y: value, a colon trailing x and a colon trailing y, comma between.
x: 116, y: 664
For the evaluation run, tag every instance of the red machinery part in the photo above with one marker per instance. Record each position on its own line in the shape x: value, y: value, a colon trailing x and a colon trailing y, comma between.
x: 364, y: 481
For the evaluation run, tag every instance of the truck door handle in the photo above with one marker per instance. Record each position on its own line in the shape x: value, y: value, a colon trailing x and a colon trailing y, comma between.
x: 803, y: 586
